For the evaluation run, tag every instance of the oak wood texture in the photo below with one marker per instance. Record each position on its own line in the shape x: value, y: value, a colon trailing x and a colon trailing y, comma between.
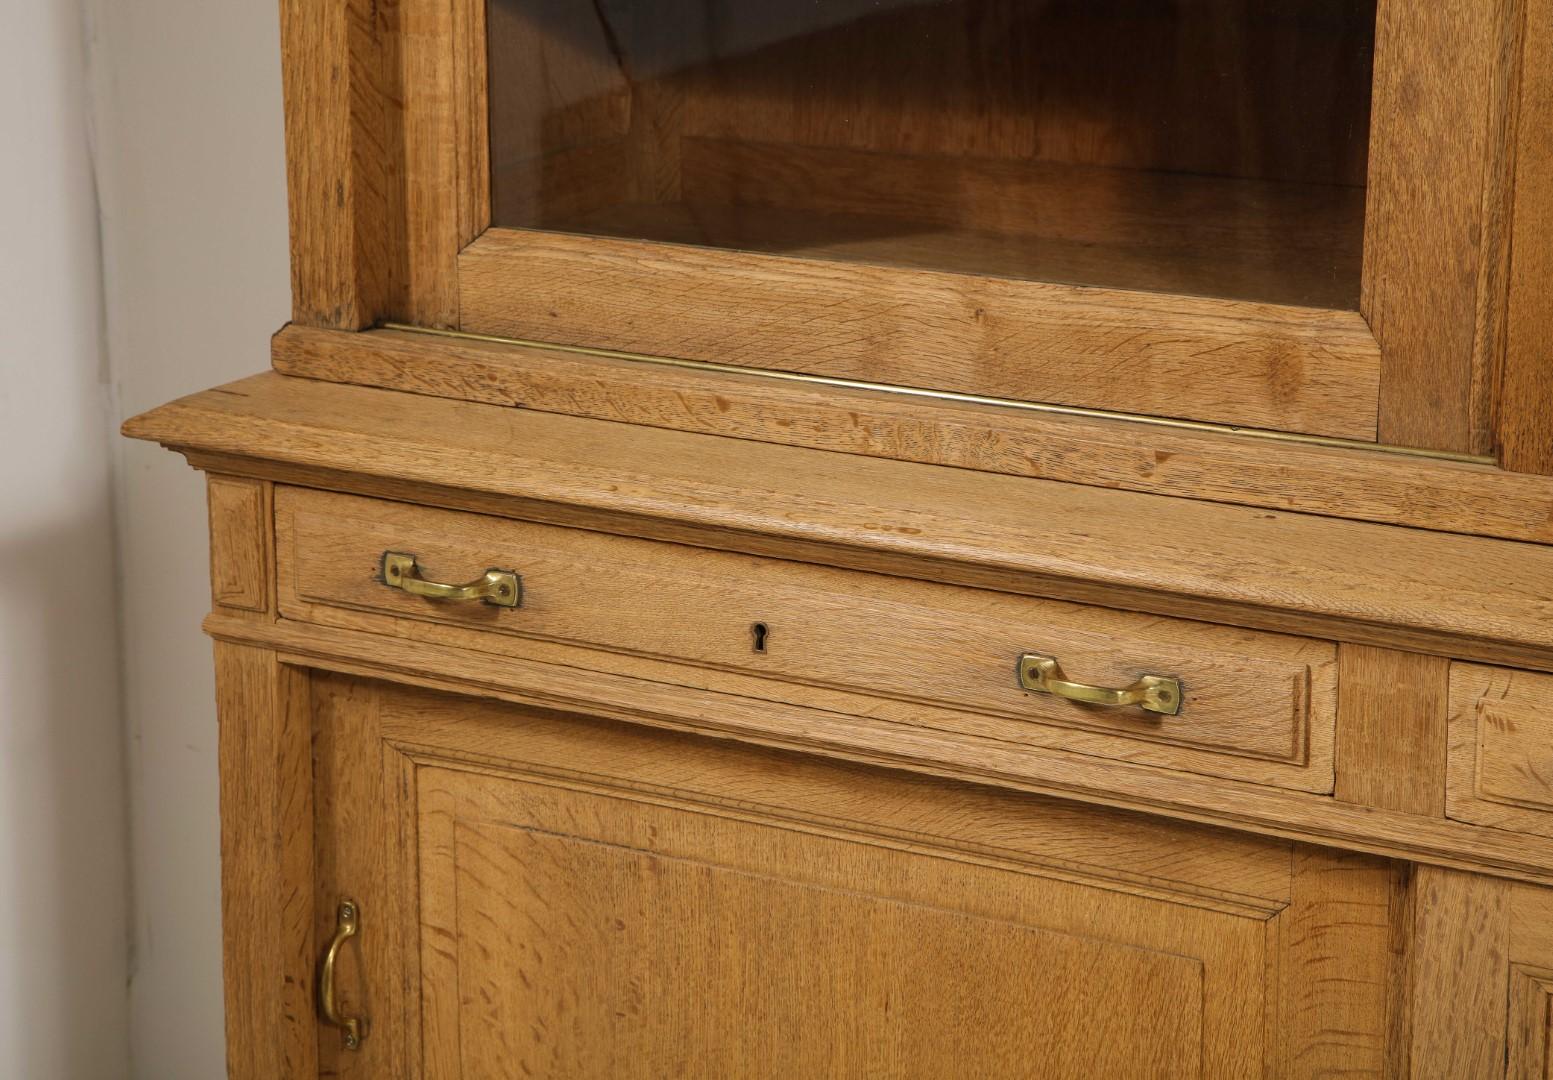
x: 241, y: 556
x: 343, y: 159
x: 1391, y: 729
x: 1435, y: 228
x: 639, y: 692
x: 411, y: 762
x: 1259, y: 365
x: 268, y: 953
x: 1530, y: 1022
x: 471, y: 108
x: 1341, y: 971
x: 363, y: 854
x: 1525, y: 400
x: 1284, y: 948
x: 436, y: 148
x: 1446, y: 496
x: 1501, y: 748
x: 1461, y: 953
x: 1459, y: 596
x: 1483, y: 951
x: 1257, y: 706
x: 385, y: 153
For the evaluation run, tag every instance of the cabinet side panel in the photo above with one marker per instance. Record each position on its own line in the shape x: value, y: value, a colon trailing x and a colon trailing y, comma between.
x: 266, y: 865
x: 343, y: 159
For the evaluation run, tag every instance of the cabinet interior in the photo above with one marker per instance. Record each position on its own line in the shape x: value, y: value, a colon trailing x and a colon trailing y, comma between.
x: 1209, y: 147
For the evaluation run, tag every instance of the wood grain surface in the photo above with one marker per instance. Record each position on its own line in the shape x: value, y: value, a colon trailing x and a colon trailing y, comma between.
x: 1286, y: 946
x: 343, y: 158
x: 1501, y: 748
x: 1256, y: 706
x: 1446, y: 496
x: 1525, y: 400
x: 241, y: 543
x: 746, y: 717
x: 1260, y: 365
x: 268, y: 945
x: 1435, y: 248
x: 1461, y: 596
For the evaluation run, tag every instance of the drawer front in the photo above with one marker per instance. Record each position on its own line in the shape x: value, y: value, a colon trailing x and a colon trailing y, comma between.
x: 1254, y: 706
x: 1500, y: 765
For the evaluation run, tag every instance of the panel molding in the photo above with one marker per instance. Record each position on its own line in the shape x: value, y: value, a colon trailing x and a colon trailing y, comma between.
x: 1531, y: 1018
x: 242, y: 554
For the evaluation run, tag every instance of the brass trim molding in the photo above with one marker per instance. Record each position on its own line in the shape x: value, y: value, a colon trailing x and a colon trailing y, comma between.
x: 964, y: 399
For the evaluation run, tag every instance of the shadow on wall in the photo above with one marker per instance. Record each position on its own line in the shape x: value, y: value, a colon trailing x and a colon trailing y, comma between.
x: 63, y: 926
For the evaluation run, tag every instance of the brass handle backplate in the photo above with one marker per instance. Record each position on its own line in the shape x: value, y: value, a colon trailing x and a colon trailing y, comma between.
x: 502, y: 588
x: 1151, y: 693
x: 347, y: 922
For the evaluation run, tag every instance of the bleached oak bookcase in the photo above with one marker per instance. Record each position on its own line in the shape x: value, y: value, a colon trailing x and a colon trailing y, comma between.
x: 967, y: 538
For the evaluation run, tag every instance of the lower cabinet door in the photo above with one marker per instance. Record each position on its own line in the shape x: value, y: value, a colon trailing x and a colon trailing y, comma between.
x: 543, y: 895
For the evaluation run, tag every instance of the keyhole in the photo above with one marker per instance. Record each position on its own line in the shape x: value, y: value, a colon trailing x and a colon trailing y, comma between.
x: 759, y: 632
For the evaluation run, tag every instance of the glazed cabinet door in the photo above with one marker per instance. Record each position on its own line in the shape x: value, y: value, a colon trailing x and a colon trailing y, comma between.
x: 539, y: 894
x: 1293, y: 216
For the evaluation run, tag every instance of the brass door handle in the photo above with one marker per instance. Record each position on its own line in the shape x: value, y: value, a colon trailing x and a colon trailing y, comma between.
x: 347, y: 922
x: 500, y: 587
x: 1151, y: 693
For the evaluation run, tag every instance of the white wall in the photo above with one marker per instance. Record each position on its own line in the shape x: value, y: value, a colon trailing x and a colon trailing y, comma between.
x: 165, y: 115
x: 192, y: 174
x: 62, y: 868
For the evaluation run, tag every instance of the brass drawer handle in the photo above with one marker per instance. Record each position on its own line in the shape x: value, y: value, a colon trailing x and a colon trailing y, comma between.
x: 1151, y: 693
x: 347, y: 922
x: 500, y: 587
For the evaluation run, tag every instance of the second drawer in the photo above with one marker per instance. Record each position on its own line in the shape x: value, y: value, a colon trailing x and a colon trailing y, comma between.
x: 1253, y: 705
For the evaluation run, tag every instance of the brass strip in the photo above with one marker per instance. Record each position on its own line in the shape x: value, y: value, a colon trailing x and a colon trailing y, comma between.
x: 1329, y: 441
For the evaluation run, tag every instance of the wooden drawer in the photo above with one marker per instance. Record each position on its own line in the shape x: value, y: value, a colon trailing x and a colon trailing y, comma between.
x: 1256, y: 706
x: 1500, y: 770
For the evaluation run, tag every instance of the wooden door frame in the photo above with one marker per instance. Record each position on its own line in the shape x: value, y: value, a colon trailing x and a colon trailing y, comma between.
x: 390, y: 213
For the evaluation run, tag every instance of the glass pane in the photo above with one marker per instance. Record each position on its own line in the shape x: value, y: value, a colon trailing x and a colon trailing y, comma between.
x: 1214, y: 147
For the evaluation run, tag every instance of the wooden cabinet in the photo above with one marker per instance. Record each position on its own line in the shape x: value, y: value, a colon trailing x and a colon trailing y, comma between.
x: 969, y: 538
x: 602, y: 825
